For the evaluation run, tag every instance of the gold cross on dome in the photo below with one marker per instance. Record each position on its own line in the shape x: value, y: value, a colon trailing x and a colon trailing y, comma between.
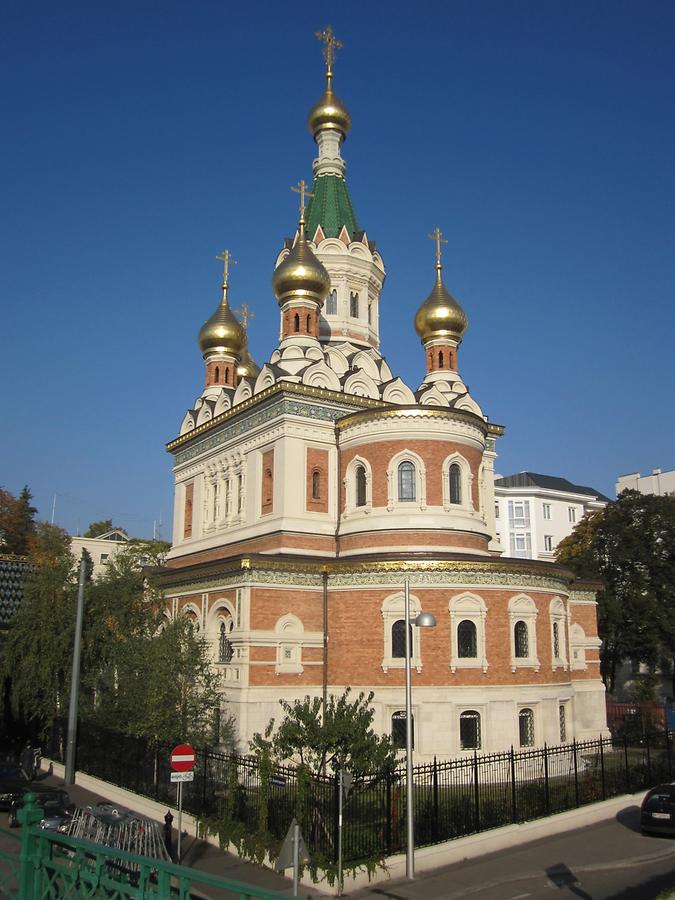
x: 301, y: 188
x: 437, y: 235
x: 227, y: 260
x: 245, y: 314
x: 332, y: 44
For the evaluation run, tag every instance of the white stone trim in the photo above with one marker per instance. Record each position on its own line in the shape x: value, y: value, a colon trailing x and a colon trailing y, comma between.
x: 469, y: 607
x: 523, y: 609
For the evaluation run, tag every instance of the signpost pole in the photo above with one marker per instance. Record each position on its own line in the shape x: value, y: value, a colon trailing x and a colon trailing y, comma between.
x: 296, y: 858
x: 180, y: 819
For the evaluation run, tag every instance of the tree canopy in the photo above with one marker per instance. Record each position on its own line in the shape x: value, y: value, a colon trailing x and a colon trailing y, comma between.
x: 337, y: 737
x: 17, y: 521
x: 96, y: 529
x: 630, y: 544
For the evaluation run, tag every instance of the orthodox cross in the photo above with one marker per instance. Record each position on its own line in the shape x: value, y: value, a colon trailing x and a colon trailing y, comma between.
x: 332, y: 44
x: 227, y: 260
x: 301, y: 188
x: 437, y: 235
x: 245, y: 314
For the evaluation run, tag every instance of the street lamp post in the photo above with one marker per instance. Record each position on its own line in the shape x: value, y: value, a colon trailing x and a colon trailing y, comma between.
x: 423, y: 620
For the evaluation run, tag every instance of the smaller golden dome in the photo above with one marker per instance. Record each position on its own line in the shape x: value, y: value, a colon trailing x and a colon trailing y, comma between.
x: 329, y: 114
x: 440, y: 316
x: 222, y: 333
x: 301, y: 276
x: 248, y: 367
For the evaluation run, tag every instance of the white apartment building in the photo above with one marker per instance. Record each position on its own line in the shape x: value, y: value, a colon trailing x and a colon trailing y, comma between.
x: 534, y: 513
x: 660, y: 483
x: 101, y: 549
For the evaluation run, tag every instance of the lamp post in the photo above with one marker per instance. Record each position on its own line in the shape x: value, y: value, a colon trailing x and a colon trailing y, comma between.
x: 75, y: 679
x: 423, y: 620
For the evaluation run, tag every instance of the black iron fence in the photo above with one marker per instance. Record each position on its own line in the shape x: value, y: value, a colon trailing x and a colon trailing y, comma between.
x: 451, y: 798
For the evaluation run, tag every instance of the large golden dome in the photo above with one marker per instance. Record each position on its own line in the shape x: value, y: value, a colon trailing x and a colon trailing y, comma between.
x: 222, y: 333
x: 329, y: 114
x: 440, y: 316
x: 301, y: 276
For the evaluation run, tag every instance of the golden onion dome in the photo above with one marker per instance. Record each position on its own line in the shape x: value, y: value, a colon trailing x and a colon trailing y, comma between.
x: 222, y: 333
x: 248, y: 367
x: 301, y: 276
x: 329, y: 114
x: 440, y: 316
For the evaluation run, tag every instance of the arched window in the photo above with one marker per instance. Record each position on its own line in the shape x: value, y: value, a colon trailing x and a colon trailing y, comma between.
x: 398, y: 639
x: 227, y: 376
x: 440, y: 359
x: 398, y: 729
x: 331, y: 303
x: 455, y: 476
x: 467, y: 640
x: 469, y: 730
x: 406, y: 481
x: 354, y: 305
x: 296, y: 323
x: 526, y: 727
x: 309, y: 324
x: 360, y: 486
x: 216, y: 377
x: 224, y: 645
x: 316, y: 485
x: 556, y: 641
x: 521, y: 640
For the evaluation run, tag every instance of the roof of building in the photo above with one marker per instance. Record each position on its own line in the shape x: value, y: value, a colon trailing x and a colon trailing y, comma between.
x: 330, y: 207
x: 549, y: 482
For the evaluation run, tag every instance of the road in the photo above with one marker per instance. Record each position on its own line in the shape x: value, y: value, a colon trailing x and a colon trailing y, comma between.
x: 608, y: 861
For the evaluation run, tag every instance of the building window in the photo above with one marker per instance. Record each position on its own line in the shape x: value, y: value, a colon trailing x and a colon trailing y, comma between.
x: 331, y: 303
x: 217, y: 375
x: 360, y: 486
x: 519, y: 513
x: 496, y: 510
x: 227, y: 376
x: 224, y: 645
x: 440, y: 359
x: 562, y: 718
x: 398, y: 639
x: 406, y: 481
x: 571, y: 514
x: 398, y: 729
x: 547, y: 510
x: 469, y: 730
x: 240, y: 493
x: 187, y: 512
x: 104, y: 559
x: 556, y: 641
x: 521, y: 640
x: 521, y: 545
x: 296, y: 323
x: 455, y: 475
x: 526, y: 727
x: 354, y: 305
x: 467, y: 640
x: 316, y: 485
x: 548, y: 542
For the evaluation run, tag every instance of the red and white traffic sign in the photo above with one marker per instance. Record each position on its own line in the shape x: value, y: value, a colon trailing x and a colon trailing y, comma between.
x: 182, y: 758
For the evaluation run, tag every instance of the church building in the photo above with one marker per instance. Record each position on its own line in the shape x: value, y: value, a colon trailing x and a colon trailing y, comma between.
x: 308, y: 490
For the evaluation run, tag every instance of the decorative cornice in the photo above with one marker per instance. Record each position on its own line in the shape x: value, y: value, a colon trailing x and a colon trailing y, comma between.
x: 413, y: 412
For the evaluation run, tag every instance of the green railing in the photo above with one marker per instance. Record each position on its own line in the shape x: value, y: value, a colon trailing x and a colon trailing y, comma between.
x: 49, y: 865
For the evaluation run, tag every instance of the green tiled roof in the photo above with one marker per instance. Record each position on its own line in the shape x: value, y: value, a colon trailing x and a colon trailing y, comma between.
x: 330, y: 207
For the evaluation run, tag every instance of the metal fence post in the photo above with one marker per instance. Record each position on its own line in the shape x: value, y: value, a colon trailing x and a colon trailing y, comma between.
x: 476, y: 793
x: 602, y: 767
x: 389, y: 812
x: 514, y: 810
x: 546, y: 784
x: 625, y: 756
x: 435, y: 785
x: 576, y: 771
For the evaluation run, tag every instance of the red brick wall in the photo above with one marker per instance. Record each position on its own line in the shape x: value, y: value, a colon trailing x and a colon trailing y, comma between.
x: 317, y: 461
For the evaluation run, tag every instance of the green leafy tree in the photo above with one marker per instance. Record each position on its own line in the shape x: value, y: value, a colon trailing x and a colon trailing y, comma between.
x: 630, y: 544
x: 96, y: 529
x: 17, y: 521
x: 337, y: 737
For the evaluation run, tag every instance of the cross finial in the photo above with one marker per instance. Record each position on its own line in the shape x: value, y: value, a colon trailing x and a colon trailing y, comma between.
x: 331, y: 45
x: 245, y: 314
x: 301, y: 188
x: 437, y: 235
x: 227, y: 260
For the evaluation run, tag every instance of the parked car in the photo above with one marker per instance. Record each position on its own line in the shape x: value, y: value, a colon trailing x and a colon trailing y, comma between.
x: 56, y: 807
x: 657, y: 814
x: 13, y: 785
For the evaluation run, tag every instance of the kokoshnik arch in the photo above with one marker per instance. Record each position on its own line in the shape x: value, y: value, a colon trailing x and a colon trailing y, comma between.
x: 308, y: 489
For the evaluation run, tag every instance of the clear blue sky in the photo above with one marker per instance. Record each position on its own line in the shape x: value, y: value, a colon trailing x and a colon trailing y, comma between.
x: 140, y: 138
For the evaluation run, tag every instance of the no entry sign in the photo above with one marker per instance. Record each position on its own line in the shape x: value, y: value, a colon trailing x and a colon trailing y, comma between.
x: 182, y: 758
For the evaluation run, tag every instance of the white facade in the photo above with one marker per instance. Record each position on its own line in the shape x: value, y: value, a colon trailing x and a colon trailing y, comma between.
x: 101, y: 549
x: 660, y: 483
x: 533, y: 515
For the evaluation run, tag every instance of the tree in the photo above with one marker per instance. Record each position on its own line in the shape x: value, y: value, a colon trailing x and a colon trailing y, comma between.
x: 630, y: 544
x: 337, y: 737
x: 17, y: 523
x: 96, y: 529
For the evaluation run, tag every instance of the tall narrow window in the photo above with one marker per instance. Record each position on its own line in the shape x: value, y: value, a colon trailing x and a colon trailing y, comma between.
x: 224, y: 645
x: 309, y: 324
x: 331, y: 303
x: 296, y: 323
x: 267, y: 492
x: 187, y: 512
x: 562, y: 718
x: 440, y: 359
x: 216, y: 377
x: 526, y: 727
x: 520, y: 640
x: 571, y: 514
x: 469, y: 730
x: 556, y: 641
x: 467, y: 640
x: 354, y: 305
x: 406, y: 481
x: 455, y: 476
x: 227, y: 376
x: 240, y: 492
x: 316, y: 485
x: 360, y: 486
x: 398, y: 639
